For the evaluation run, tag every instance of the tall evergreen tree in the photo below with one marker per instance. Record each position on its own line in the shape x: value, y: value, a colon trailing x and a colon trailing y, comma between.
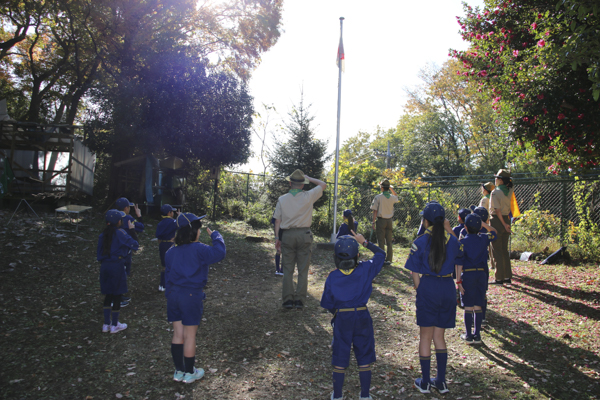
x: 298, y: 149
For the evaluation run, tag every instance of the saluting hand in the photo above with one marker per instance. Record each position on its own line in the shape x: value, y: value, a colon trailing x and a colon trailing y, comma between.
x: 130, y: 225
x: 359, y: 238
x: 137, y: 211
x: 209, y: 231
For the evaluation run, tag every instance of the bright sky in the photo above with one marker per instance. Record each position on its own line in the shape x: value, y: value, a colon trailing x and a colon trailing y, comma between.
x: 386, y: 43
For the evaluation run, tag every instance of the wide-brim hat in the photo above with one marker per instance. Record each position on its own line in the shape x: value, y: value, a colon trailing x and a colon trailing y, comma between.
x: 166, y: 208
x: 433, y: 212
x: 185, y: 219
x: 473, y: 221
x: 489, y: 186
x: 297, y: 177
x: 122, y: 202
x: 502, y: 173
x: 114, y: 216
x: 385, y: 183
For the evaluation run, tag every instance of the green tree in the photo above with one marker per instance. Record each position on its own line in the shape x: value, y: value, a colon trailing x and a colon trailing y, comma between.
x: 539, y: 61
x: 297, y: 149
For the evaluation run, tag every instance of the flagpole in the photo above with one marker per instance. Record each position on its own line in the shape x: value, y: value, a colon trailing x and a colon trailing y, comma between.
x: 337, y: 140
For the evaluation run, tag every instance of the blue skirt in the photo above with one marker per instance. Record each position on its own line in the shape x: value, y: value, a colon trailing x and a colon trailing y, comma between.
x: 113, y: 279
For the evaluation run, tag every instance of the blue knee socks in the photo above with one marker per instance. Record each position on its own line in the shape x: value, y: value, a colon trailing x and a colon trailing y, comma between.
x: 338, y: 381
x: 441, y: 356
x: 364, y: 374
x: 478, y: 317
x: 177, y: 353
x: 425, y: 367
x: 469, y: 322
x: 189, y: 364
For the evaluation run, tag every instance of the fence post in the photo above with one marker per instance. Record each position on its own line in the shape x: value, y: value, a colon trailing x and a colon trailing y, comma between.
x: 247, y: 189
x: 562, y: 213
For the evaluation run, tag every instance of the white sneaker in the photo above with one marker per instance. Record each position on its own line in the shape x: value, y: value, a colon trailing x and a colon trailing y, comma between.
x: 105, y: 328
x: 189, y: 378
x: 118, y: 328
x: 161, y: 288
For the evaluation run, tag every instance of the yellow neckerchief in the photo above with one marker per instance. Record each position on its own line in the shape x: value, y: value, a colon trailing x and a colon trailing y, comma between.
x: 428, y: 232
x: 346, y: 271
x: 166, y: 216
x: 294, y: 192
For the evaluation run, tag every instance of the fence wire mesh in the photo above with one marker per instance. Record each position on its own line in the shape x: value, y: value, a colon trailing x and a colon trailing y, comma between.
x: 244, y: 195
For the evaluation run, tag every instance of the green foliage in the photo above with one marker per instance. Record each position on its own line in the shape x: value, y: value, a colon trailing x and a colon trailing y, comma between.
x: 538, y: 63
x: 586, y: 235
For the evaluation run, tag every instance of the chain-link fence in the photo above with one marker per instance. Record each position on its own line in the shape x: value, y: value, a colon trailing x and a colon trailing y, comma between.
x: 552, y: 206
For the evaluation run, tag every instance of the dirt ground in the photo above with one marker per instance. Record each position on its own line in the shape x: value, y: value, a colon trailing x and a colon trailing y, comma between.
x: 52, y: 346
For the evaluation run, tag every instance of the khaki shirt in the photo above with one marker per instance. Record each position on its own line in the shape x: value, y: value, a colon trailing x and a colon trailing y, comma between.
x: 384, y: 206
x: 485, y: 203
x: 296, y: 211
x: 499, y: 200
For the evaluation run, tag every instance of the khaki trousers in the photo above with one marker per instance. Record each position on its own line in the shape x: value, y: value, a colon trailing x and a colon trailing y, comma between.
x: 383, y: 229
x: 296, y: 249
x: 500, y: 249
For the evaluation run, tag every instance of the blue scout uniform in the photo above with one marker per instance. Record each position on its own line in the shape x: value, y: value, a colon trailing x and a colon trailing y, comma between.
x: 457, y: 229
x: 347, y: 295
x: 475, y: 266
x: 113, y: 279
x: 344, y: 230
x: 165, y: 232
x: 186, y: 274
x: 138, y: 227
x: 436, y: 294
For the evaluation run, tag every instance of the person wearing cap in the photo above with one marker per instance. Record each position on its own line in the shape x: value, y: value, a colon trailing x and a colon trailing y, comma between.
x: 293, y: 217
x: 433, y: 257
x: 500, y: 220
x: 349, y: 223
x: 165, y: 233
x: 113, y: 247
x: 383, y: 212
x: 186, y: 274
x: 123, y: 204
x: 462, y: 214
x: 473, y: 275
x: 346, y: 293
x: 486, y: 191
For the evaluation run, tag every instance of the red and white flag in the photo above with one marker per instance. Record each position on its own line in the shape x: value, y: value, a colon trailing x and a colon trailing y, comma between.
x: 340, y: 56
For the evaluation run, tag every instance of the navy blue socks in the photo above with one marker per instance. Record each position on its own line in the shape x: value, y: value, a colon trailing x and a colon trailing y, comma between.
x: 364, y: 374
x: 338, y: 381
x: 441, y: 356
x: 425, y: 367
x: 177, y: 353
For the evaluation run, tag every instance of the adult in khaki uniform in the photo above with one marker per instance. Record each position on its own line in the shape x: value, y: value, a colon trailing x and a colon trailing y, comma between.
x: 293, y: 237
x: 383, y: 212
x: 500, y: 220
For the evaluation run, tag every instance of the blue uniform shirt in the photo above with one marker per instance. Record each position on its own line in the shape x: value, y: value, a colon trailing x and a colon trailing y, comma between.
x: 121, y: 246
x: 138, y: 226
x: 187, y: 265
x: 344, y: 230
x: 475, y: 247
x: 419, y: 253
x: 166, y: 229
x: 457, y: 229
x: 354, y: 289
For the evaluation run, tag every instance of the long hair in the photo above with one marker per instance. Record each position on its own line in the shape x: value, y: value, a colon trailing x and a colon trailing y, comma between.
x: 350, y: 222
x: 109, y: 233
x: 507, y: 182
x: 187, y: 234
x: 437, y: 248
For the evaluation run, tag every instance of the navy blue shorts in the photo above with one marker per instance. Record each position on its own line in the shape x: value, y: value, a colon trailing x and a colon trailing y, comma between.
x: 353, y: 329
x: 113, y: 279
x: 475, y: 285
x: 185, y: 306
x: 162, y: 250
x: 436, y: 302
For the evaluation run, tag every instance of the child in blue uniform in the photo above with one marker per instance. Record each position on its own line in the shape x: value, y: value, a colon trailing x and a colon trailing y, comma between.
x: 348, y: 225
x: 186, y: 274
x: 462, y: 214
x: 165, y: 233
x: 432, y: 259
x: 474, y: 278
x: 122, y: 204
x: 347, y: 291
x: 278, y: 270
x: 113, y: 247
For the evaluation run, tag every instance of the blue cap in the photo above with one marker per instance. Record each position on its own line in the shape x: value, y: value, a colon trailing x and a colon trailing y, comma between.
x: 433, y: 212
x: 346, y: 247
x: 166, y: 208
x: 473, y: 222
x: 113, y: 216
x: 482, y: 212
x: 347, y: 213
x: 187, y: 218
x: 463, y: 212
x: 122, y: 203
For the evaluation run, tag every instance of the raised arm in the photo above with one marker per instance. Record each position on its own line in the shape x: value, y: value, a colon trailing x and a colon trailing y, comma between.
x: 316, y: 181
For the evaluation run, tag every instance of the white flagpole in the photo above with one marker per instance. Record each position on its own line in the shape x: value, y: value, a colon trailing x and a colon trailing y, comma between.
x: 337, y: 140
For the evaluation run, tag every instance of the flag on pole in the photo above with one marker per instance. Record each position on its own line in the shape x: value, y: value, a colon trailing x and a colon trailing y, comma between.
x: 340, y: 56
x: 514, y: 206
